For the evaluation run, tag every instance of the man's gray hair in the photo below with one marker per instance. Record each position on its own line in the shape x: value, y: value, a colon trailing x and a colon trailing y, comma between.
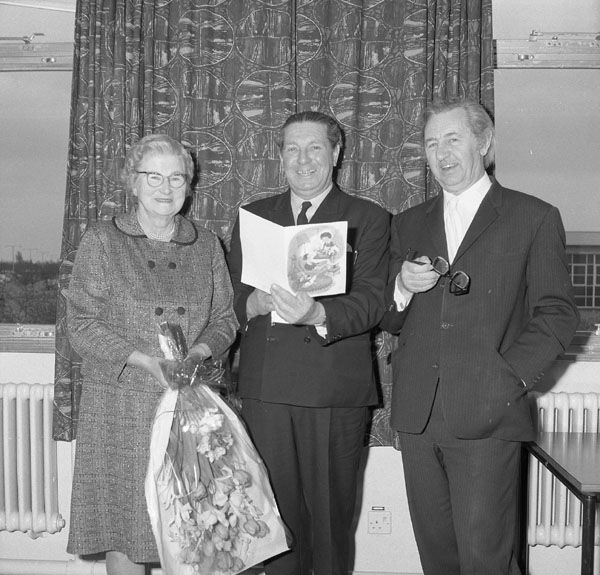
x: 479, y: 120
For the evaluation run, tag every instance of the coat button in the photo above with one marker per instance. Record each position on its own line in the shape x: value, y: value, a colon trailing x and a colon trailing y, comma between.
x: 172, y: 265
x: 446, y: 325
x: 180, y: 310
x: 435, y: 366
x: 158, y: 311
x: 307, y: 339
x: 151, y: 265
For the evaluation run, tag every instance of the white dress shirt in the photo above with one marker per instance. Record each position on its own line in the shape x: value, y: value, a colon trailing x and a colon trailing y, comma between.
x: 297, y: 202
x: 467, y: 204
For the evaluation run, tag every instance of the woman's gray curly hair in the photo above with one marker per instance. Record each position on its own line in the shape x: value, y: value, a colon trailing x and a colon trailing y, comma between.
x: 156, y: 144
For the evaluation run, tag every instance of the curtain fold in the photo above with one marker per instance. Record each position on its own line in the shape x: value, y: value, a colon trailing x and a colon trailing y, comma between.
x: 223, y: 75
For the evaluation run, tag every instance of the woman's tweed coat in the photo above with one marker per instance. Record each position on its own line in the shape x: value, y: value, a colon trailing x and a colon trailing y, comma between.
x: 122, y: 286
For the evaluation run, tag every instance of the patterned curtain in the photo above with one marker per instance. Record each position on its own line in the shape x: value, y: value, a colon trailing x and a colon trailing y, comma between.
x: 223, y: 75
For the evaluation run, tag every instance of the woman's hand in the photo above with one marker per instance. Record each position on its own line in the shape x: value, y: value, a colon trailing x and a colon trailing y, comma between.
x: 151, y: 364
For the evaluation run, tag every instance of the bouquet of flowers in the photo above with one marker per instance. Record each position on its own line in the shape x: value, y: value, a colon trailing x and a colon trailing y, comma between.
x: 209, y: 498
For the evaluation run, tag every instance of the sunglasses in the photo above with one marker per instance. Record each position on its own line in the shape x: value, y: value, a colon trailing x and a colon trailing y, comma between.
x: 459, y: 280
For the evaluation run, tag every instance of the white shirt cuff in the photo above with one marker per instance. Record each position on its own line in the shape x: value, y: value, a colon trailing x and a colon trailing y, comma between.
x: 401, y: 300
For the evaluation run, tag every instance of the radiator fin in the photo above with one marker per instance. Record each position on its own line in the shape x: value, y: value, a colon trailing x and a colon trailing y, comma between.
x: 555, y: 514
x: 28, y: 478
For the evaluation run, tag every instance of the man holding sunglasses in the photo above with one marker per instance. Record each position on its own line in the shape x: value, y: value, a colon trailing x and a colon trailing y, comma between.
x: 481, y: 297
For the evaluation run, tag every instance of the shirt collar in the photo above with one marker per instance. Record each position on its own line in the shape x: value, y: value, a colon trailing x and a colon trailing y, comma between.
x: 316, y: 201
x: 473, y: 196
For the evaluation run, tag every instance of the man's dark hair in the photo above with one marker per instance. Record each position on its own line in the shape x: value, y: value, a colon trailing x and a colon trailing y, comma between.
x: 334, y: 132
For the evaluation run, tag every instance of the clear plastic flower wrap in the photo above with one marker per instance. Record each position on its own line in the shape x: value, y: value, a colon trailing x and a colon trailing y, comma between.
x: 209, y: 498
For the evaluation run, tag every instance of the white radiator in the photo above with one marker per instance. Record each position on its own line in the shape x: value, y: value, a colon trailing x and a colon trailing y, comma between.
x: 555, y: 515
x: 28, y: 475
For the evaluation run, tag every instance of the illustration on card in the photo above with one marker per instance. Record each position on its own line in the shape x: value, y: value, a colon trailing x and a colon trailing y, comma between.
x: 314, y: 259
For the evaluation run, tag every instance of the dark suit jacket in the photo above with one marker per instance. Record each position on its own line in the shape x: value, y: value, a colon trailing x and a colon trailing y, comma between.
x: 291, y: 364
x: 488, y: 347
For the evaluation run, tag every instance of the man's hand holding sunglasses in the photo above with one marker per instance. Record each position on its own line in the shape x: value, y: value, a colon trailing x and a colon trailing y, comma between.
x: 416, y: 276
x: 421, y: 274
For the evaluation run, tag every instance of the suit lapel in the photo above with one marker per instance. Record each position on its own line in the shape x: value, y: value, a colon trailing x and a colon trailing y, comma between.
x: 280, y: 211
x: 331, y: 209
x: 435, y: 223
x: 487, y: 213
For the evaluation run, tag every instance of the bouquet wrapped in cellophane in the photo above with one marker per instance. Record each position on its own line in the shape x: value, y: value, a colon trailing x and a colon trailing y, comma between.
x: 210, y: 502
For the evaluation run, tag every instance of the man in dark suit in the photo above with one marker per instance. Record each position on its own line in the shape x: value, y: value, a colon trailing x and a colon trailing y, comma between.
x: 306, y: 384
x: 483, y: 304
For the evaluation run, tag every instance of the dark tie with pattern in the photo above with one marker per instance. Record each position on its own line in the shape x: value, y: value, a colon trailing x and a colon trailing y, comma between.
x: 302, y: 219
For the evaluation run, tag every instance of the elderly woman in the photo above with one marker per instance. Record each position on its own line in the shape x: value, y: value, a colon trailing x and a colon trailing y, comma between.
x: 141, y: 268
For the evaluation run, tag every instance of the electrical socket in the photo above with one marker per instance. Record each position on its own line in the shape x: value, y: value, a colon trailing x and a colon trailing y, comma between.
x: 380, y: 522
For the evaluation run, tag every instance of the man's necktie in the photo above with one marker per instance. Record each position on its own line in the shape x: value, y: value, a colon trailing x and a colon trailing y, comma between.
x: 302, y: 219
x: 454, y: 231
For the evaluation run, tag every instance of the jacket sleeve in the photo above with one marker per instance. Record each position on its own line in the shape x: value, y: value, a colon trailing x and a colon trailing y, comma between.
x: 393, y: 319
x: 220, y: 331
x: 87, y: 299
x: 553, y: 313
x: 361, y: 308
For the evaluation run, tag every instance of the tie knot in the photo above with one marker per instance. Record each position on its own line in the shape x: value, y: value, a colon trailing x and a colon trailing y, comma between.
x: 453, y: 204
x: 302, y: 219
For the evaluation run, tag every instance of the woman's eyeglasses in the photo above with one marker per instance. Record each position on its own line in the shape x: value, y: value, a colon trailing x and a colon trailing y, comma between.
x: 155, y: 179
x: 459, y: 280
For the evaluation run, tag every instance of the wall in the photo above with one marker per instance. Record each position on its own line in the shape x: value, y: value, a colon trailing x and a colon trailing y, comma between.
x: 37, y: 368
x: 547, y: 120
x: 544, y: 121
x: 34, y: 152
